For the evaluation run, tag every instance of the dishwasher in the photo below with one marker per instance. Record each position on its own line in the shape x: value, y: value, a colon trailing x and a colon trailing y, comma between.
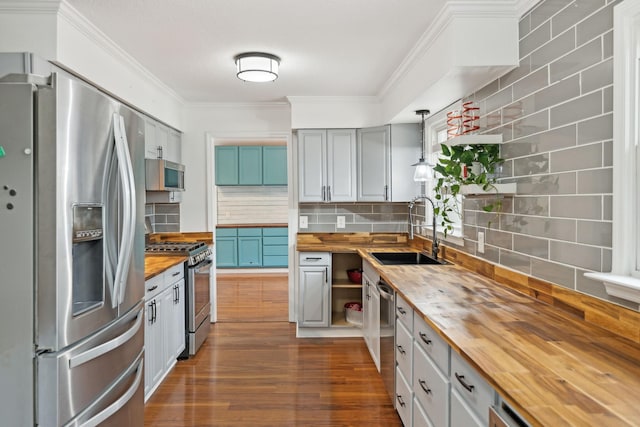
x: 387, y: 338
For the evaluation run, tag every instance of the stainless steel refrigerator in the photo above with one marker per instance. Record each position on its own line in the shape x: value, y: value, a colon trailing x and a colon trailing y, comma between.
x: 71, y: 251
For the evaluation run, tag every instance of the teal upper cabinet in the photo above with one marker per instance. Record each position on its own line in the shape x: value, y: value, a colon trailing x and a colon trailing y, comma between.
x: 274, y: 165
x: 251, y: 165
x: 226, y: 165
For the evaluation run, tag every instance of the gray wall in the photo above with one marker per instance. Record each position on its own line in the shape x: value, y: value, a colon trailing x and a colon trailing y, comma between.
x: 555, y: 114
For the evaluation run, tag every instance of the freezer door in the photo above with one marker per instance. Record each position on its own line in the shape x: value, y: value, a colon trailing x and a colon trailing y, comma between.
x: 16, y: 262
x: 82, y: 192
x: 72, y: 381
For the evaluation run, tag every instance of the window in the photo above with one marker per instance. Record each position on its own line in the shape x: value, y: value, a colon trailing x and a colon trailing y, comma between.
x: 436, y: 129
x: 624, y: 279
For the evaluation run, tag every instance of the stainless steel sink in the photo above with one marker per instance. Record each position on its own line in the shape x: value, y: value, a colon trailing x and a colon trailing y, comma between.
x: 406, y: 258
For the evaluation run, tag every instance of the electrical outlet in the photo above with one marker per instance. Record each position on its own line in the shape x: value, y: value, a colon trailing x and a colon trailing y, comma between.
x: 304, y: 222
x: 341, y: 223
x: 481, y: 242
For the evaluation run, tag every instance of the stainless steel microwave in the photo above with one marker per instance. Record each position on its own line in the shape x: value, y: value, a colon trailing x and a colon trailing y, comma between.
x: 163, y: 175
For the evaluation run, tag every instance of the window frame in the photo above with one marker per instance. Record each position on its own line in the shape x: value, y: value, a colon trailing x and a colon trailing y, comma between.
x: 435, y: 127
x: 624, y: 279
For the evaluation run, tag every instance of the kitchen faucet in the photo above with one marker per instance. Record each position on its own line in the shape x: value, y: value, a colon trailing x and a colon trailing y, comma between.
x: 434, y: 240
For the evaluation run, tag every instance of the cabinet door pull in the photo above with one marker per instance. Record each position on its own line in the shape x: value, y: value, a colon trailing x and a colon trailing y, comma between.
x: 401, y: 311
x: 328, y: 193
x: 326, y: 275
x: 423, y: 384
x: 401, y: 350
x: 150, y: 314
x: 324, y: 193
x: 154, y: 311
x: 400, y: 400
x: 386, y: 193
x: 465, y: 384
x: 424, y: 338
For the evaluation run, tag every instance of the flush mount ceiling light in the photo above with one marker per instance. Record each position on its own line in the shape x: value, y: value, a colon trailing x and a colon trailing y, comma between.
x: 257, y: 67
x: 423, y: 168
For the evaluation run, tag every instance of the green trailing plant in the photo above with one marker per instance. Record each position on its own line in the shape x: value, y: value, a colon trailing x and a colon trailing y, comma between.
x: 464, y: 165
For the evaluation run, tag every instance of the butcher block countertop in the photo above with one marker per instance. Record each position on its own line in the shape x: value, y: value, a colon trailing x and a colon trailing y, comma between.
x: 156, y: 264
x: 554, y: 368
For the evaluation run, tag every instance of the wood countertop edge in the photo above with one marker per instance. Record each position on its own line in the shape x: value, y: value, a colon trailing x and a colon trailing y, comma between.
x: 467, y: 352
x: 157, y: 264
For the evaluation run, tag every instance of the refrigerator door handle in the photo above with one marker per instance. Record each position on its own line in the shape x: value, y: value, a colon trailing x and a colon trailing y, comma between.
x: 132, y: 209
x: 118, y: 404
x: 126, y: 172
x: 108, y: 346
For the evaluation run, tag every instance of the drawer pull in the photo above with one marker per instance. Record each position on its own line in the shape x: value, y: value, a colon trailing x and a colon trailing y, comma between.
x: 401, y: 311
x: 312, y: 258
x: 424, y: 338
x: 400, y: 400
x: 153, y: 288
x: 401, y: 350
x: 175, y: 274
x: 467, y: 386
x: 423, y: 384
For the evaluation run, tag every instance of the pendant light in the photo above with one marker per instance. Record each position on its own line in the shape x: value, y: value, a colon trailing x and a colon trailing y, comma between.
x: 257, y: 67
x: 423, y: 169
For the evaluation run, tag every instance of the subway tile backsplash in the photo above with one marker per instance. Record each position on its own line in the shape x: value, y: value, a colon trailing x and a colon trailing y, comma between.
x: 359, y: 217
x: 164, y: 217
x: 557, y: 127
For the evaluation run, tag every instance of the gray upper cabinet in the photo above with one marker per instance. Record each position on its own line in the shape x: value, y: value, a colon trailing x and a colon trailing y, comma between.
x: 385, y: 156
x: 374, y: 164
x: 327, y: 165
x: 161, y: 141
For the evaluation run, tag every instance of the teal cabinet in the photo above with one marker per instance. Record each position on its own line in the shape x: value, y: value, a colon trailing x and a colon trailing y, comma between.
x: 226, y: 162
x: 250, y: 165
x: 252, y: 247
x: 275, y: 247
x: 226, y: 247
x: 274, y: 165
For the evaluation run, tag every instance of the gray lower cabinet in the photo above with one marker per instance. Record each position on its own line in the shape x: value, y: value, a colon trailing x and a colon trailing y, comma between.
x: 164, y: 334
x: 314, y: 306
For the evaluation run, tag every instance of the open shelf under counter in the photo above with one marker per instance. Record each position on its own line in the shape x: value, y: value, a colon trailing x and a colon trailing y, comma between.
x: 345, y: 284
x: 474, y: 139
x: 338, y: 320
x: 510, y: 188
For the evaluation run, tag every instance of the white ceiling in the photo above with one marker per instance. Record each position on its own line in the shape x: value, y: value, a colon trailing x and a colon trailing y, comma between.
x: 328, y: 47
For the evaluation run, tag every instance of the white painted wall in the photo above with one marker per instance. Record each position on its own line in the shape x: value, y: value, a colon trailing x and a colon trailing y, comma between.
x: 56, y: 32
x: 329, y: 112
x: 206, y: 121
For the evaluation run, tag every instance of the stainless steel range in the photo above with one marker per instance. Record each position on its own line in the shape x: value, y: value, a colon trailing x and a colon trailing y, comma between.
x: 198, y: 296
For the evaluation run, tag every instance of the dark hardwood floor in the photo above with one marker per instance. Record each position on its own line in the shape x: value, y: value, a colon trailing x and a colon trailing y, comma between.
x: 257, y: 373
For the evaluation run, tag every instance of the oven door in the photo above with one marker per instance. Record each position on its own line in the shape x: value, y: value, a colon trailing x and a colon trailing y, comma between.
x: 199, y: 293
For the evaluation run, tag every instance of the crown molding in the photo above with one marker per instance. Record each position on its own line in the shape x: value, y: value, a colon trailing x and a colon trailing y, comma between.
x: 237, y: 105
x: 325, y: 100
x: 525, y: 6
x: 35, y: 7
x: 93, y: 33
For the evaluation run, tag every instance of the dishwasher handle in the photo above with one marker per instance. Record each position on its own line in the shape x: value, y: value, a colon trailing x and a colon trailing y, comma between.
x: 385, y: 290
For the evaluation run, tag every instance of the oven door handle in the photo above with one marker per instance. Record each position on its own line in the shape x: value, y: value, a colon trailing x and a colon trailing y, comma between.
x: 203, y: 264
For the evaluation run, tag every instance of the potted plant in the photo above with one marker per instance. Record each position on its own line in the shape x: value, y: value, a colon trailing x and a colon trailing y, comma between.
x: 462, y: 165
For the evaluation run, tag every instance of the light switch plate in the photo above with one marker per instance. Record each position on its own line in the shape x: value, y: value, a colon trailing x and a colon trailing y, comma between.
x: 481, y: 242
x: 304, y: 222
x: 340, y: 222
